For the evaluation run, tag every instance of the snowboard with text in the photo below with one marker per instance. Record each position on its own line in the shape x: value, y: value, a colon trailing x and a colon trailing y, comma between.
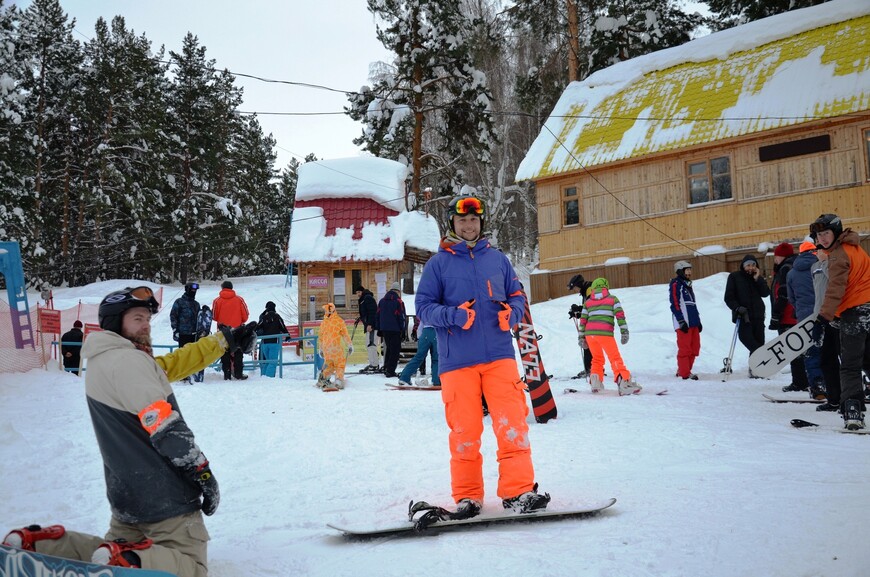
x: 536, y: 378
x: 19, y: 563
x: 774, y: 355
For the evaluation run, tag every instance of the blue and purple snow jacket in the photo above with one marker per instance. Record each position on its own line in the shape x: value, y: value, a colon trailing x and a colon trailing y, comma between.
x: 455, y: 275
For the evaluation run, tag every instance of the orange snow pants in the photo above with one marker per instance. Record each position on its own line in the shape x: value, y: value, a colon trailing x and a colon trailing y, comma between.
x: 601, y: 345
x: 334, y: 361
x: 461, y: 391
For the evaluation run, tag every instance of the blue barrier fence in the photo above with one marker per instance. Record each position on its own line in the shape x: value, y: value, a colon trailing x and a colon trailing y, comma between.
x: 251, y: 365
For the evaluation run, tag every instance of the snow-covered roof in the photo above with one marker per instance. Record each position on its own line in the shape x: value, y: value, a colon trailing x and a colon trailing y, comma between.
x: 379, y: 179
x: 355, y: 232
x: 783, y: 70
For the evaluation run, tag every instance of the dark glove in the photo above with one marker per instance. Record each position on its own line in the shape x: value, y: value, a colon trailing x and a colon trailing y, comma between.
x: 504, y: 317
x: 211, y: 494
x: 700, y: 327
x: 624, y: 339
x: 774, y: 324
x: 464, y: 316
x: 684, y: 326
x: 742, y: 313
x: 242, y: 338
x: 175, y: 336
x: 818, y: 334
x: 575, y: 312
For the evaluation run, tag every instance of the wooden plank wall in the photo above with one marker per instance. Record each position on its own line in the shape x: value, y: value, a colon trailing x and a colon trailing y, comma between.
x: 554, y: 284
x: 771, y: 201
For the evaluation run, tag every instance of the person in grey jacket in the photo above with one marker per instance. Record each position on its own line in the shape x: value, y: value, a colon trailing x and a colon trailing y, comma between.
x: 158, y: 481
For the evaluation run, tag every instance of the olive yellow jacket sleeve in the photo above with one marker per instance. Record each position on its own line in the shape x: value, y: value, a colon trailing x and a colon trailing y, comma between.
x: 192, y: 357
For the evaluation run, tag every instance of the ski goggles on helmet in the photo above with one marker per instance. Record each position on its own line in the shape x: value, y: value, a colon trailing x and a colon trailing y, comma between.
x: 132, y: 297
x: 817, y: 227
x: 468, y: 205
x: 194, y: 286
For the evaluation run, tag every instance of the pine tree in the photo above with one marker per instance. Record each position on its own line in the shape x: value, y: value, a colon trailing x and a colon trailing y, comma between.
x: 432, y: 105
x: 729, y: 13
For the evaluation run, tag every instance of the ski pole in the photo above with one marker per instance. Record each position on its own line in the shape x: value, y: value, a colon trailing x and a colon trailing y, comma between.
x: 728, y: 360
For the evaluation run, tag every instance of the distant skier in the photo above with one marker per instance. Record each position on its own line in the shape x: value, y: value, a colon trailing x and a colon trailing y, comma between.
x: 601, y: 312
x: 270, y: 323
x: 183, y: 315
x: 70, y: 351
x: 687, y: 320
x: 335, y: 346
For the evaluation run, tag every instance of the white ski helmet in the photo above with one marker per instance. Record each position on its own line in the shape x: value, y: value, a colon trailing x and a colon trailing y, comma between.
x: 681, y: 265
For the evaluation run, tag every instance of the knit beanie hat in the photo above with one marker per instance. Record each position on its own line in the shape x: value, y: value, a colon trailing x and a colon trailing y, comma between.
x: 807, y: 245
x: 270, y: 306
x: 227, y: 284
x: 748, y: 258
x: 77, y: 325
x: 600, y: 282
x: 396, y: 287
x: 783, y: 249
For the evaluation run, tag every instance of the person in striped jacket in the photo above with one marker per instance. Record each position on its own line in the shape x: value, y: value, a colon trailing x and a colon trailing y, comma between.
x: 601, y: 312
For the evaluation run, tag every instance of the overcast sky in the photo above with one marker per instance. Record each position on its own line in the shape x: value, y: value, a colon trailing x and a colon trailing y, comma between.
x: 323, y: 42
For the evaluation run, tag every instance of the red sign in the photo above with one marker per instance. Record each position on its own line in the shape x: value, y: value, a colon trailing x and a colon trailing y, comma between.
x: 91, y: 328
x: 318, y: 282
x: 49, y: 321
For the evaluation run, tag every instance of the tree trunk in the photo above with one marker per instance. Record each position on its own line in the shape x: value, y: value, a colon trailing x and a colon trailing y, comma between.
x: 573, y: 40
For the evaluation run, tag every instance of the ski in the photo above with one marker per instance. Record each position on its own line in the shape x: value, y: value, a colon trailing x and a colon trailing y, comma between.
x: 408, y: 528
x: 535, y: 377
x: 412, y: 387
x: 792, y: 399
x: 20, y: 563
x: 570, y: 390
x: 801, y: 424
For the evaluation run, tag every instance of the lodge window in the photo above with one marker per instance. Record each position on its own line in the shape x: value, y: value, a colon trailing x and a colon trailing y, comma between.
x: 709, y: 180
x: 340, y: 287
x: 867, y: 150
x: 570, y: 206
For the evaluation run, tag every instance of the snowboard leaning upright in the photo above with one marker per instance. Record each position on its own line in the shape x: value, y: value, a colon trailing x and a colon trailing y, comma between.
x: 774, y: 355
x: 536, y: 378
x: 19, y: 563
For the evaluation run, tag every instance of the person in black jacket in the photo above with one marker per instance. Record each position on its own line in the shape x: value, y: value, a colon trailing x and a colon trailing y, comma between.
x: 183, y: 316
x: 581, y: 285
x: 71, y: 352
x: 368, y: 316
x: 391, y: 323
x: 270, y: 323
x: 745, y: 291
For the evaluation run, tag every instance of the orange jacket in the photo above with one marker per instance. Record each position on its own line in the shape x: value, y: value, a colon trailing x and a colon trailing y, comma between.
x: 848, y: 276
x: 229, y: 309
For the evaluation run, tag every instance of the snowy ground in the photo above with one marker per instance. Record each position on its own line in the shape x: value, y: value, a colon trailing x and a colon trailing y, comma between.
x: 710, y: 479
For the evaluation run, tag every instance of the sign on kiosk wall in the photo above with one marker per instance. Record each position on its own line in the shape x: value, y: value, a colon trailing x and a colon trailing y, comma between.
x: 318, y: 282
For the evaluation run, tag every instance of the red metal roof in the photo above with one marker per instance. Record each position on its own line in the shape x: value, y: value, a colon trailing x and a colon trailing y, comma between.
x: 347, y: 212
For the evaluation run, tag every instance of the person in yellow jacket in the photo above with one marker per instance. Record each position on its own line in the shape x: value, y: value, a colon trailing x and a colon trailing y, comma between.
x: 158, y: 481
x: 335, y: 347
x: 847, y: 298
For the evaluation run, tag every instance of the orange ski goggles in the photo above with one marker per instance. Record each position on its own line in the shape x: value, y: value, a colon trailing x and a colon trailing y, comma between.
x: 468, y: 205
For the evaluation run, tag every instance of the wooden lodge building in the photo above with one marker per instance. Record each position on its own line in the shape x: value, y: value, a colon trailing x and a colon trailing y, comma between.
x: 724, y: 146
x: 350, y: 228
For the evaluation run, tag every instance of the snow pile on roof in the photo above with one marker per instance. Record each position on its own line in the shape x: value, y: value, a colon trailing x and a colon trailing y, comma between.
x: 379, y: 179
x: 546, y: 155
x: 309, y: 243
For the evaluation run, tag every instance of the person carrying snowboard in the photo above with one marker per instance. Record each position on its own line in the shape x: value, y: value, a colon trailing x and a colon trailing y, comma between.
x: 335, y: 347
x: 470, y: 293
x: 158, y: 481
x: 601, y: 311
x: 687, y: 320
x: 847, y: 297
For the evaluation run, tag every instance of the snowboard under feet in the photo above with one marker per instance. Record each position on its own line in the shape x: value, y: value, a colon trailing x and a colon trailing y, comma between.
x: 412, y: 387
x: 792, y: 399
x: 801, y: 424
x: 360, y: 531
x: 20, y: 563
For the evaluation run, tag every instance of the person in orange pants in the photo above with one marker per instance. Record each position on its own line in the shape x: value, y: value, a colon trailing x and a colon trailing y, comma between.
x: 601, y: 311
x: 335, y: 347
x: 470, y: 294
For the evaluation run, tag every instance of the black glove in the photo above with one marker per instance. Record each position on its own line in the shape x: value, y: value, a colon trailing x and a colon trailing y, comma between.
x: 818, y: 334
x: 742, y: 313
x: 774, y: 324
x: 242, y: 338
x: 684, y: 326
x: 211, y: 493
x: 175, y: 336
x: 575, y: 312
